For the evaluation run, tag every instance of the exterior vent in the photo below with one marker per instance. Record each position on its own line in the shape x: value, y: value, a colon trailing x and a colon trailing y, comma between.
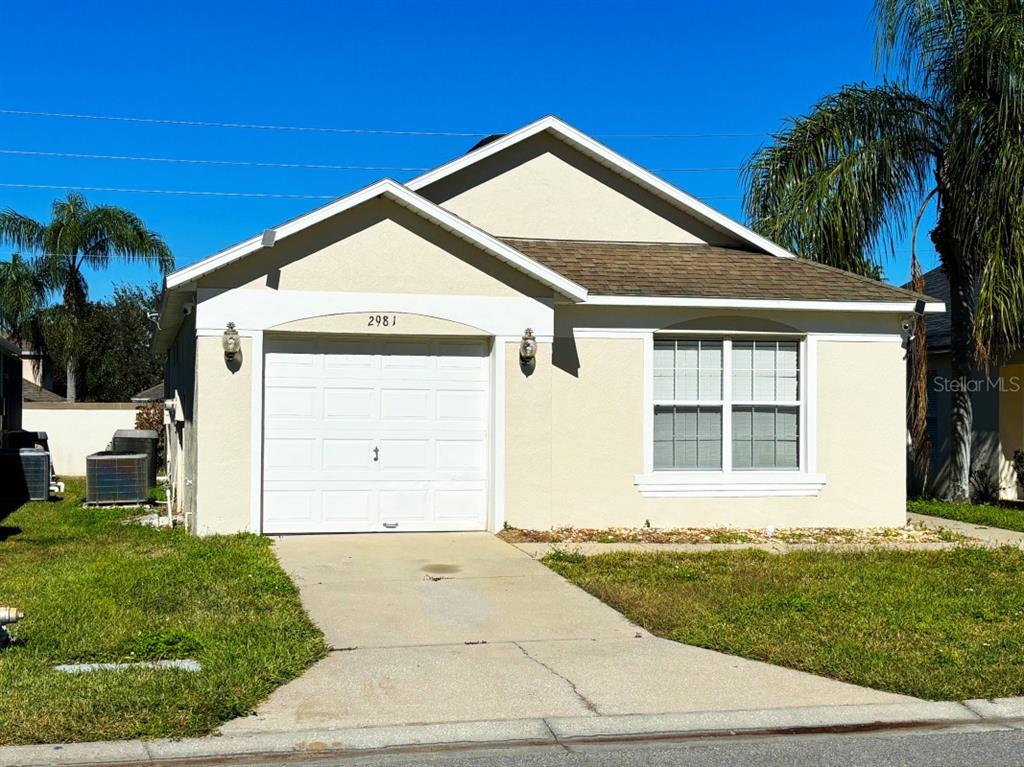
x: 112, y: 477
x: 25, y: 474
x: 138, y: 441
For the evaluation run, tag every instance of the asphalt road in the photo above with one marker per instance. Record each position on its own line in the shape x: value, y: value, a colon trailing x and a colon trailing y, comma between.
x: 1003, y: 748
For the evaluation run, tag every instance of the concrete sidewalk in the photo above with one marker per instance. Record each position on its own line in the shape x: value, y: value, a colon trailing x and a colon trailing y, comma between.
x: 985, y: 535
x: 972, y: 716
x: 446, y: 628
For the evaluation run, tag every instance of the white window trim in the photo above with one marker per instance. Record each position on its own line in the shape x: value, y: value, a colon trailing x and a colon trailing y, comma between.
x: 727, y: 483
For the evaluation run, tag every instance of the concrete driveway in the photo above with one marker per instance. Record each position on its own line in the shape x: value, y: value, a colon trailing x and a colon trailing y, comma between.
x: 464, y: 627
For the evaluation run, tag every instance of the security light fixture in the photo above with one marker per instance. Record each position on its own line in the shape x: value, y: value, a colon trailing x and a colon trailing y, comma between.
x: 528, y: 349
x: 232, y: 343
x: 919, y: 307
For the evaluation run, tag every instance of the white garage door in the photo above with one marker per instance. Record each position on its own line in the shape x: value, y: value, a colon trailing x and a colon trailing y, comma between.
x: 375, y: 435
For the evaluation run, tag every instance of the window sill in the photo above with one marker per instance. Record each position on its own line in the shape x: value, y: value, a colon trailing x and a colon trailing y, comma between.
x: 703, y: 484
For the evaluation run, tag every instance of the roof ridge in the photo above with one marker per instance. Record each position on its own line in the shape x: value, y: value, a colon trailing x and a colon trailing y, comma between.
x: 506, y: 238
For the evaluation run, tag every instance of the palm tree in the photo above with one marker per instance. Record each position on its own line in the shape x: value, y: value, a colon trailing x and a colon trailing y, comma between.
x: 22, y: 293
x: 77, y: 235
x: 840, y: 183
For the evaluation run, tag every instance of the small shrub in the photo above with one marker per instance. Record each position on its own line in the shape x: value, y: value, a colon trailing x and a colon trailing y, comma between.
x: 561, y: 556
x: 1018, y: 466
x: 984, y: 487
x: 150, y: 415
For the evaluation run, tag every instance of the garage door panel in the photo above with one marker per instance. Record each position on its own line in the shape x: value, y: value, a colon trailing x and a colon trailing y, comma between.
x: 461, y: 404
x: 290, y: 402
x: 460, y: 454
x: 423, y: 404
x: 289, y: 506
x: 285, y: 453
x: 349, y: 403
x: 353, y: 508
x: 406, y: 403
x: 406, y: 505
x: 406, y: 454
x: 460, y: 505
x: 347, y: 454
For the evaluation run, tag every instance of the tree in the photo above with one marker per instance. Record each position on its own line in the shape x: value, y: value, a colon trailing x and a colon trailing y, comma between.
x: 77, y: 235
x: 838, y: 184
x: 22, y: 293
x: 116, y: 359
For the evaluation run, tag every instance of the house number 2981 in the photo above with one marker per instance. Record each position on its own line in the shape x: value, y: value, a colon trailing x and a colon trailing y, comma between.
x: 382, y: 321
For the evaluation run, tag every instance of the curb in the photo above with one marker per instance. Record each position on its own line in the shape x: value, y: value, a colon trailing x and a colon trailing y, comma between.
x: 999, y: 714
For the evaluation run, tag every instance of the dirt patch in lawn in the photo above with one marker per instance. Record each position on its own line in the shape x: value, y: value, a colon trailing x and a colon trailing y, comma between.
x: 810, y: 535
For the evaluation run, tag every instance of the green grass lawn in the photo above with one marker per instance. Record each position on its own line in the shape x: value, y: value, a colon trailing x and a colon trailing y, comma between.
x: 980, y: 514
x: 942, y: 625
x: 95, y: 589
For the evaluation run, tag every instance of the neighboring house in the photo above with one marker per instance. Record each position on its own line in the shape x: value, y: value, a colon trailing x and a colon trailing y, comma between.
x: 34, y: 370
x: 10, y: 387
x: 152, y: 394
x: 688, y: 372
x: 33, y: 392
x: 997, y: 401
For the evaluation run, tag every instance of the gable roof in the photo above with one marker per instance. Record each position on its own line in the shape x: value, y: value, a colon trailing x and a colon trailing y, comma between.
x: 403, y: 196
x: 683, y: 270
x: 610, y: 159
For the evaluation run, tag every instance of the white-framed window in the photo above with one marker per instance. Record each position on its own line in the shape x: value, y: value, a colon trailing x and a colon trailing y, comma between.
x: 727, y: 404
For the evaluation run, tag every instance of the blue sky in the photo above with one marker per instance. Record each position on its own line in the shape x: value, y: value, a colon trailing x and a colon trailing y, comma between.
x: 607, y: 68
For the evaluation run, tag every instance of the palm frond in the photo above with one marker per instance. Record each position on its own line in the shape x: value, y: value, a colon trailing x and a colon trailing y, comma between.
x: 112, y: 232
x: 835, y: 185
x: 20, y: 231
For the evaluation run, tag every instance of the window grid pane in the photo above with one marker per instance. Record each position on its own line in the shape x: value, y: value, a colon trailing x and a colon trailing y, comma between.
x: 688, y: 370
x: 765, y: 371
x: 687, y: 437
x: 765, y: 437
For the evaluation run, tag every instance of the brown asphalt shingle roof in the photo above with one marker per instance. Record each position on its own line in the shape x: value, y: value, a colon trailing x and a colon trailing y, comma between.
x: 154, y: 393
x: 31, y: 392
x: 700, y: 271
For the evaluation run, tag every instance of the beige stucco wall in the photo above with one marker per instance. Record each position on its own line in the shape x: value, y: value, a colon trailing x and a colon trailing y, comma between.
x: 223, y: 407
x: 76, y: 430
x: 379, y: 247
x: 575, y: 442
x: 543, y: 188
x: 399, y: 324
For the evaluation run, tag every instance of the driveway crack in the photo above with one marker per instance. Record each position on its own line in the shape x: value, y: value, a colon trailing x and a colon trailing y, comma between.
x: 572, y: 685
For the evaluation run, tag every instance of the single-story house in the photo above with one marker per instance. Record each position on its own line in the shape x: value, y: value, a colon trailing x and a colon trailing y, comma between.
x: 997, y: 403
x: 538, y: 333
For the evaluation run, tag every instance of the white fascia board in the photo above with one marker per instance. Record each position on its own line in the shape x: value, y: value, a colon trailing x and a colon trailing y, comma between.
x: 610, y: 159
x: 407, y: 198
x: 899, y: 307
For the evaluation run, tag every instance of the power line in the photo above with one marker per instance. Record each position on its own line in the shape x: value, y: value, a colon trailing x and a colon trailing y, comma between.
x: 171, y: 191
x: 203, y: 193
x: 248, y: 126
x: 350, y: 131
x: 189, y: 161
x: 269, y: 164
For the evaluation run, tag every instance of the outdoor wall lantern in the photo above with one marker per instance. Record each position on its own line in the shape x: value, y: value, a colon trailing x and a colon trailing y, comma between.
x: 528, y: 349
x: 232, y: 343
